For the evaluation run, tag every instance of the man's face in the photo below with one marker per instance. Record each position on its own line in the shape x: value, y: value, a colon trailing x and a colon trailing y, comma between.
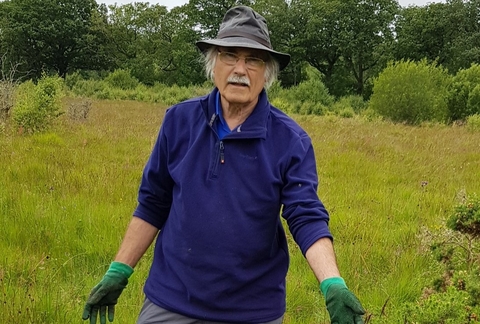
x: 240, y: 81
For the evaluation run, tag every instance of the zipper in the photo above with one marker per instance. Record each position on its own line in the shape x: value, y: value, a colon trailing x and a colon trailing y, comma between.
x: 222, y: 153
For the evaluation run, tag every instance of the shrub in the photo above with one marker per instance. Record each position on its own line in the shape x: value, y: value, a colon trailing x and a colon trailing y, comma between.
x: 452, y: 306
x: 464, y: 96
x: 466, y: 218
x: 309, y: 97
x: 7, y: 90
x: 344, y: 108
x: 455, y: 295
x: 370, y: 115
x: 283, y: 105
x: 122, y: 79
x: 473, y: 123
x: 38, y: 105
x: 89, y: 88
x: 347, y: 112
x: 356, y: 102
x: 274, y: 91
x: 72, y: 79
x: 411, y: 92
x: 79, y: 110
x: 306, y: 108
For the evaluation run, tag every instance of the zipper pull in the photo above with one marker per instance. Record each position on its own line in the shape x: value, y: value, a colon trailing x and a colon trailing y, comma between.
x: 222, y: 154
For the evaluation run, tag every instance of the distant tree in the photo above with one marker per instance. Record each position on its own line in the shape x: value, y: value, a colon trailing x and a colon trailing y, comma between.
x: 155, y: 44
x: 283, y: 19
x: 48, y: 35
x: 447, y: 33
x: 208, y: 14
x: 345, y: 39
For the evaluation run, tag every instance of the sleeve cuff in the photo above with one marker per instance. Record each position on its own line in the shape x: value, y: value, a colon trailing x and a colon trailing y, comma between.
x: 325, y: 284
x: 122, y: 268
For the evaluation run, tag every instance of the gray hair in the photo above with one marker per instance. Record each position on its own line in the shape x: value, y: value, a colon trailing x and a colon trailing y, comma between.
x: 272, y: 67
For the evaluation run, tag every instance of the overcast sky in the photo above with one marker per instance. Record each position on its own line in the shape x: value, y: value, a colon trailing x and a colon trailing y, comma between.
x: 174, y: 3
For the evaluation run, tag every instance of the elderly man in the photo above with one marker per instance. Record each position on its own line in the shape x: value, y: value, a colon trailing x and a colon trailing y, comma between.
x: 223, y: 168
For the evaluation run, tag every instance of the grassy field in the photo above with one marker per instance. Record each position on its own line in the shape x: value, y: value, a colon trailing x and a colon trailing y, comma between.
x: 66, y: 197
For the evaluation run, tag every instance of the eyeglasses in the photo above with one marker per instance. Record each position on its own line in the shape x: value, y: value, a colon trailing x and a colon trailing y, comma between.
x: 251, y: 62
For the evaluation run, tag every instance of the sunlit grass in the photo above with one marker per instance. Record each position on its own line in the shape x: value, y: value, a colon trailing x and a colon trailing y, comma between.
x: 66, y: 197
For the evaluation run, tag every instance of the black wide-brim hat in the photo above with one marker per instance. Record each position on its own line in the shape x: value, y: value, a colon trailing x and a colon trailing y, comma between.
x: 243, y: 27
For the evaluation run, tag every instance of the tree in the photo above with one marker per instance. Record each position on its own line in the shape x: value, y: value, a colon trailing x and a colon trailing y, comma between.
x: 154, y: 44
x: 208, y: 14
x: 366, y: 33
x: 48, y: 34
x: 447, y: 33
x: 283, y: 20
x: 345, y: 36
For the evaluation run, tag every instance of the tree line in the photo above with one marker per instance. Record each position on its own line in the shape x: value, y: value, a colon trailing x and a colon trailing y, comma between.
x: 349, y: 41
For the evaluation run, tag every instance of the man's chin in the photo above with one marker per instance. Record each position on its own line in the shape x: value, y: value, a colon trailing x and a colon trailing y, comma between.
x: 236, y: 99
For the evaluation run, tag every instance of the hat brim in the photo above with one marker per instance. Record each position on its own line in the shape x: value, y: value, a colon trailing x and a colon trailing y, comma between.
x: 282, y: 58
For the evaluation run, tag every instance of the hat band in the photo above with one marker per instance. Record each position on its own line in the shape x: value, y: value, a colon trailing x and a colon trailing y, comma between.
x: 226, y: 34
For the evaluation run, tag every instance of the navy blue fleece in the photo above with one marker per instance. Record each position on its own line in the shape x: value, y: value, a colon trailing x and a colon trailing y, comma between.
x: 221, y: 254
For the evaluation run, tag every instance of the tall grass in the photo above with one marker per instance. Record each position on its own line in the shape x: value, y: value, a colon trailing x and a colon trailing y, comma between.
x: 66, y: 197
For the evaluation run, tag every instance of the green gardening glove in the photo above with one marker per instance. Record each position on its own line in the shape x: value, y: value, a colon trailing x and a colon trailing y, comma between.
x: 105, y: 294
x: 342, y: 305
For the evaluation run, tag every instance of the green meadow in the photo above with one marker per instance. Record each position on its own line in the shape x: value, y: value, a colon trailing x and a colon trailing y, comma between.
x: 66, y: 196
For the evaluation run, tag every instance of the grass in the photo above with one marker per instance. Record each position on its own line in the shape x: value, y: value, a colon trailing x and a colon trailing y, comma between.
x: 66, y: 197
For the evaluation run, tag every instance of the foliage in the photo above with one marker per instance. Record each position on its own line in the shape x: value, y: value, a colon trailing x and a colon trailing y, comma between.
x: 7, y: 88
x: 121, y: 79
x: 50, y: 35
x: 411, y: 92
x: 466, y: 218
x: 446, y: 33
x: 455, y: 294
x: 309, y: 97
x: 345, y: 35
x: 473, y: 123
x: 450, y: 307
x: 348, y: 41
x: 154, y: 44
x: 464, y: 96
x: 77, y: 191
x: 79, y: 110
x: 350, y: 105
x: 37, y: 105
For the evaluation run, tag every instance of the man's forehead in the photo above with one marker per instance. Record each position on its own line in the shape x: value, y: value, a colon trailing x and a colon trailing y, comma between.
x: 245, y: 51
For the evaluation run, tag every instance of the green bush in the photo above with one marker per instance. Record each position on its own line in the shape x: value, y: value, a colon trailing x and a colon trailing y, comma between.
x: 473, y: 123
x: 274, y: 91
x: 89, y: 88
x: 466, y: 218
x: 411, y: 92
x: 464, y: 96
x: 38, y: 105
x: 344, y: 107
x: 72, y: 79
x: 356, y: 102
x: 283, y: 105
x: 452, y: 306
x: 309, y: 97
x: 455, y: 295
x: 7, y: 90
x: 121, y: 79
x: 347, y: 112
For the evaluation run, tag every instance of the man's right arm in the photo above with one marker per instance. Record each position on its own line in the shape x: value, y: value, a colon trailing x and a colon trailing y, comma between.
x: 138, y: 237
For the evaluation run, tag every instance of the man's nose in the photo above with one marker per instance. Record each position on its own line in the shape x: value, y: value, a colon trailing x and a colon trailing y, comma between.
x: 240, y: 66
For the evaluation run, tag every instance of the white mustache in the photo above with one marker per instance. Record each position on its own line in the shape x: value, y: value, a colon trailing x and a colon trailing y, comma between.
x: 239, y: 79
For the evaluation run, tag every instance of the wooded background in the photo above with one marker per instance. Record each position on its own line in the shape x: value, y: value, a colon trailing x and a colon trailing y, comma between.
x: 349, y: 41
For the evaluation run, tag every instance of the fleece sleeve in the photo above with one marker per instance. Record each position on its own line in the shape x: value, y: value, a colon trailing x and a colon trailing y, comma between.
x: 155, y: 192
x: 305, y: 214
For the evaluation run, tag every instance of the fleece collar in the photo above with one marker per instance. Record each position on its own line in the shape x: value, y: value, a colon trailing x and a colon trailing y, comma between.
x: 255, y: 126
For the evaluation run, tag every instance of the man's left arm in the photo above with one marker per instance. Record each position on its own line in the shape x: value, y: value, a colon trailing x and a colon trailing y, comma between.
x: 342, y: 305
